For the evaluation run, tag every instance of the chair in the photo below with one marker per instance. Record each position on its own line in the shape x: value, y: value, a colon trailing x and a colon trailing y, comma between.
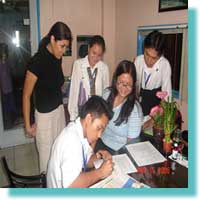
x: 20, y: 181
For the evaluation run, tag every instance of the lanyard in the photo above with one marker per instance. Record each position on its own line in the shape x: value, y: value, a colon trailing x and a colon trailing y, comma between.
x: 84, y: 161
x: 146, y: 78
x: 92, y: 78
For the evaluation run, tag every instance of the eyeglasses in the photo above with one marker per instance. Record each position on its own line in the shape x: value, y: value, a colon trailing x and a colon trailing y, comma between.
x: 125, y: 85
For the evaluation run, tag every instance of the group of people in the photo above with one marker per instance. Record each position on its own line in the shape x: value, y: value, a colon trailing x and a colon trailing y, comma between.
x: 103, y: 117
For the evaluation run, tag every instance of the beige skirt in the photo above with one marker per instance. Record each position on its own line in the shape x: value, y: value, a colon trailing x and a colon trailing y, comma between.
x: 49, y: 126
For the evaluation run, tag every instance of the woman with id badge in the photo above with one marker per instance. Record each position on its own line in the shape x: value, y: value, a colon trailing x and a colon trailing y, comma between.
x: 90, y: 76
x: 153, y: 72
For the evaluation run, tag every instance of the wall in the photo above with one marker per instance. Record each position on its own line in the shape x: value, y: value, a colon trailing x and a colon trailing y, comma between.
x: 109, y: 33
x: 84, y: 17
x: 133, y: 13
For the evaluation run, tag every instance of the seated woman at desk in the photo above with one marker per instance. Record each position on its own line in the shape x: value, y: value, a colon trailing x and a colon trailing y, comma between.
x: 127, y: 120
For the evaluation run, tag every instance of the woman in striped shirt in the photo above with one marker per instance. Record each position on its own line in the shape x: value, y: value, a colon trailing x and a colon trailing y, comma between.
x: 127, y: 120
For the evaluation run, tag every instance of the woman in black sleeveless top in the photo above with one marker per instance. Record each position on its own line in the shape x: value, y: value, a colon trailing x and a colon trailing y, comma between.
x: 44, y: 78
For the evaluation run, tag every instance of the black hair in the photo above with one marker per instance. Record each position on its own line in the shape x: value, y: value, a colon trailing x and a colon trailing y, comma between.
x: 60, y: 31
x: 97, y: 39
x: 96, y: 106
x: 124, y: 66
x: 155, y: 40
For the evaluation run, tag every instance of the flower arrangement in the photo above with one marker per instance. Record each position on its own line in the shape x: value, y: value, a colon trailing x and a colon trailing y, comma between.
x: 157, y: 116
x: 164, y: 114
x: 169, y: 114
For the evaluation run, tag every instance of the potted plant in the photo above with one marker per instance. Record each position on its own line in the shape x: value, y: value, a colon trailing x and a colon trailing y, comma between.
x: 169, y: 113
x: 156, y: 114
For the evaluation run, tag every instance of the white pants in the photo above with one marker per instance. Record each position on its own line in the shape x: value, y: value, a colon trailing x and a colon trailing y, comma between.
x: 49, y: 126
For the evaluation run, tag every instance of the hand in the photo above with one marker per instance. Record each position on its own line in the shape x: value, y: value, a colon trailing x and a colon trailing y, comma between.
x: 147, y: 124
x: 106, y: 168
x: 31, y: 131
x: 103, y: 154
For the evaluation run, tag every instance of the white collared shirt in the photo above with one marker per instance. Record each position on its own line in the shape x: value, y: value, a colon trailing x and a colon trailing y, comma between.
x: 66, y: 160
x: 80, y: 74
x: 160, y: 74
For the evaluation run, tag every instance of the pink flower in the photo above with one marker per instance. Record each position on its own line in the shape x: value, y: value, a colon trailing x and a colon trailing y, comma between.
x: 162, y: 94
x: 161, y: 110
x: 156, y: 110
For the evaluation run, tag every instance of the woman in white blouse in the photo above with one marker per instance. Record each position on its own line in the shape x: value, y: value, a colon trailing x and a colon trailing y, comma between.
x: 90, y: 76
x: 153, y: 72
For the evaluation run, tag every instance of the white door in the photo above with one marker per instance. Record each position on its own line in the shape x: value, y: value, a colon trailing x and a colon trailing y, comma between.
x: 19, y: 36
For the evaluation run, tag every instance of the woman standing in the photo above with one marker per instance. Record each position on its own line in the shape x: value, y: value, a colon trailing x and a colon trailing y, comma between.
x: 153, y: 71
x: 44, y: 76
x: 90, y: 76
x: 127, y: 120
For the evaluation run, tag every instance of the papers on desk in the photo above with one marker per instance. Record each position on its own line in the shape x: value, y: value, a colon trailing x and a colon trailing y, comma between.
x: 180, y: 160
x: 118, y: 180
x: 119, y: 177
x: 144, y: 153
x: 123, y: 163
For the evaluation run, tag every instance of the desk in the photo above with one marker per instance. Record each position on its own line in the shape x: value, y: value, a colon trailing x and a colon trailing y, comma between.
x: 168, y: 174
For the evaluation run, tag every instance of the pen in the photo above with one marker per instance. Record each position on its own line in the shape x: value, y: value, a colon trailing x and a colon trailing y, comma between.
x: 101, y: 156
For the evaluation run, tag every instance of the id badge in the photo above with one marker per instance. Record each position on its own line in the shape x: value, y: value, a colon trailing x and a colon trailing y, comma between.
x: 140, y: 99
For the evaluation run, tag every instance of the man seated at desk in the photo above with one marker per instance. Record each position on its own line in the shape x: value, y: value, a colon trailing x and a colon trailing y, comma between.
x: 72, y: 154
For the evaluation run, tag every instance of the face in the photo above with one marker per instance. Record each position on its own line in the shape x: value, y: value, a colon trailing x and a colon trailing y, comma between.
x: 95, y: 127
x: 58, y: 47
x: 150, y: 56
x: 124, y: 85
x: 95, y: 54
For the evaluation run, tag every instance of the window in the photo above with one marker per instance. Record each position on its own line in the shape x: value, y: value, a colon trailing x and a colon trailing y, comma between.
x: 17, y: 41
x: 83, y: 45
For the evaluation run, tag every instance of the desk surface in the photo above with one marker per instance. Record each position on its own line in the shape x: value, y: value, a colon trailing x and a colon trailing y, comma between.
x: 168, y: 174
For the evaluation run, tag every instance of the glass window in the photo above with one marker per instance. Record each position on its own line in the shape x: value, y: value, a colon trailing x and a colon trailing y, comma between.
x: 15, y: 52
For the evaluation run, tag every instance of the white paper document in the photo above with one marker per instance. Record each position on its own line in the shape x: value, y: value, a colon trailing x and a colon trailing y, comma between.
x: 98, y: 163
x: 118, y: 180
x: 180, y: 160
x: 123, y: 163
x: 144, y: 153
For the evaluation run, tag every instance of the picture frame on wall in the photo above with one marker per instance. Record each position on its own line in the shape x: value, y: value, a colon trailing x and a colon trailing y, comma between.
x: 170, y: 5
x: 68, y: 51
x: 83, y: 45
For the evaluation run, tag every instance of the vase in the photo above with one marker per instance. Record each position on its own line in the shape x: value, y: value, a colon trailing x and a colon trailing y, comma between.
x: 158, y: 135
x: 158, y: 132
x: 167, y: 147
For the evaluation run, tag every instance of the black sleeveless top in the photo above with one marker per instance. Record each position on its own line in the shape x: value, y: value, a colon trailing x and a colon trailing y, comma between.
x: 47, y: 91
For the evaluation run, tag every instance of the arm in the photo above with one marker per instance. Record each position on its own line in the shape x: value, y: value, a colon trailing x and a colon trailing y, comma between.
x: 136, y: 62
x: 74, y: 91
x: 29, y: 84
x: 106, y: 78
x: 135, y: 122
x: 148, y: 123
x: 166, y: 79
x: 85, y: 179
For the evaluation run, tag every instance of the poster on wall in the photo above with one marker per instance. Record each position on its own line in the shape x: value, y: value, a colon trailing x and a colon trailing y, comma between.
x: 170, y: 5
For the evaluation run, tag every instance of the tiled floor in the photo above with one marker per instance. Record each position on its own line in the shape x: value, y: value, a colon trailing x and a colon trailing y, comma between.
x: 22, y: 159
